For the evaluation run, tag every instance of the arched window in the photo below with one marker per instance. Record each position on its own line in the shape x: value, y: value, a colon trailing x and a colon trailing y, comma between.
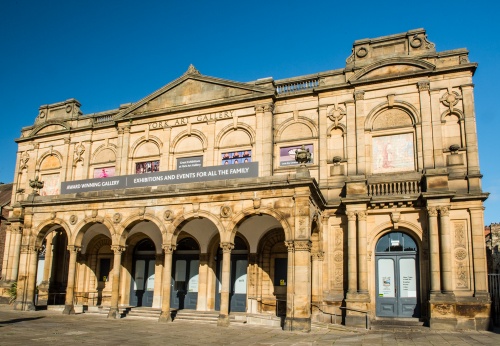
x: 396, y: 242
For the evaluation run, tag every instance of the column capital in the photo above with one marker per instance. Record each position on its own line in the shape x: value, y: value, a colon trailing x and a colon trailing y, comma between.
x: 432, y: 211
x: 302, y: 245
x: 269, y: 107
x: 226, y: 246
x: 117, y: 249
x: 318, y: 256
x: 423, y: 85
x: 362, y: 215
x: 74, y: 248
x: 351, y: 215
x: 359, y: 95
x: 444, y: 211
x: 168, y: 248
x: 467, y: 86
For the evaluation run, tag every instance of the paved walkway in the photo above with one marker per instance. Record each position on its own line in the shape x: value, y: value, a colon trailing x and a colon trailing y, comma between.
x: 53, y: 328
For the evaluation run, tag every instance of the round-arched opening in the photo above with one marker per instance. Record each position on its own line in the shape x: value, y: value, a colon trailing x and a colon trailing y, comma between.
x: 396, y: 242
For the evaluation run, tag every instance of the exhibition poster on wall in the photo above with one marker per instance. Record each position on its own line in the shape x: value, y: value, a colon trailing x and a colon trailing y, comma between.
x: 104, y: 172
x: 393, y: 153
x: 51, y: 184
x: 287, y: 154
x: 147, y: 167
x: 236, y: 157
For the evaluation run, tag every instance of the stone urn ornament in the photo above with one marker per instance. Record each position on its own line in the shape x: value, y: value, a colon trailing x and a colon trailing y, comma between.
x: 36, y: 185
x: 303, y: 156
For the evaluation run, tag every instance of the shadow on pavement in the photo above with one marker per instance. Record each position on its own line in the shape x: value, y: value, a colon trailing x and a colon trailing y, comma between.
x: 17, y: 320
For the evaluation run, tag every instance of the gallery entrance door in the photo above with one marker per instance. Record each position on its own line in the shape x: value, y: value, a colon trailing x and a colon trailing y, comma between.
x: 397, y: 283
x: 143, y: 274
x: 185, y: 274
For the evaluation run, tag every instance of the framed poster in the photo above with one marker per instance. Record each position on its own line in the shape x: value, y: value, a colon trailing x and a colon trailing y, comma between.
x: 51, y: 184
x: 287, y: 154
x: 147, y: 167
x: 104, y: 172
x: 236, y: 157
x: 393, y: 153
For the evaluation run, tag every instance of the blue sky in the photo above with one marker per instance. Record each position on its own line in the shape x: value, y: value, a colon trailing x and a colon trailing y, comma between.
x: 106, y: 53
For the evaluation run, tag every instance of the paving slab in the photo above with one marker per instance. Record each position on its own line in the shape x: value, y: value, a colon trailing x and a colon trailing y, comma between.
x: 53, y: 328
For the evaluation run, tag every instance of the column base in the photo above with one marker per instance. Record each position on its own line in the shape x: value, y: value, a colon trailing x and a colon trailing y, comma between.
x: 297, y: 324
x: 165, y: 317
x: 223, y: 321
x: 69, y: 309
x: 24, y: 306
x: 459, y: 313
x: 113, y: 313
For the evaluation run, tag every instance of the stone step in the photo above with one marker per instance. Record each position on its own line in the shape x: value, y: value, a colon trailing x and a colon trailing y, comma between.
x: 397, y: 323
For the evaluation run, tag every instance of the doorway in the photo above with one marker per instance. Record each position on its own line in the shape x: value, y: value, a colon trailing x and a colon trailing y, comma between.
x: 397, y: 279
x: 143, y: 274
x: 185, y: 275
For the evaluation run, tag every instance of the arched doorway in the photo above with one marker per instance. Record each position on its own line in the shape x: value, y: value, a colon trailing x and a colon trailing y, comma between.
x: 238, y: 285
x: 397, y: 278
x: 185, y: 274
x: 53, y: 279
x: 143, y: 274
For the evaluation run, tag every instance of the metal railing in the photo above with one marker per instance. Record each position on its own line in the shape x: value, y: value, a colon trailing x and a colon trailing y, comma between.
x: 494, y: 288
x: 333, y: 316
x: 51, y: 298
x: 367, y: 318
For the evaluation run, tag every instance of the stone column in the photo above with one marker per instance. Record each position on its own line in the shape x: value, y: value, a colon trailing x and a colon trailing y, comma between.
x: 425, y: 111
x: 435, y: 271
x: 226, y: 277
x: 470, y: 129
x: 437, y: 140
x: 125, y: 150
x: 317, y: 276
x: 359, y: 97
x: 298, y: 314
x: 264, y: 143
x: 351, y: 151
x: 5, y: 260
x: 445, y: 244
x: 323, y: 143
x: 202, y: 302
x: 30, y: 291
x: 15, y: 250
x: 253, y: 268
x: 479, y: 253
x: 352, y: 268
x: 69, y: 307
x: 166, y: 283
x: 362, y: 260
x: 115, y: 288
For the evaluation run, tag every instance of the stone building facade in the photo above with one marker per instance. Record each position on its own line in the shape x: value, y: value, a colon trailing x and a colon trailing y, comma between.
x: 354, y: 191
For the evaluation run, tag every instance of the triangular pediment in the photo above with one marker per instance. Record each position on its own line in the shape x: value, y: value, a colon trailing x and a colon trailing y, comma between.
x: 194, y: 90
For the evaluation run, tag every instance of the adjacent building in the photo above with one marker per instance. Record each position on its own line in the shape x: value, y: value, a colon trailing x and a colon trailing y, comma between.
x: 355, y: 191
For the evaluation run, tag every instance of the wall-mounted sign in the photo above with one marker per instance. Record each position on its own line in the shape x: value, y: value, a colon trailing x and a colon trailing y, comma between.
x: 190, y: 162
x: 186, y: 175
x: 287, y: 154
